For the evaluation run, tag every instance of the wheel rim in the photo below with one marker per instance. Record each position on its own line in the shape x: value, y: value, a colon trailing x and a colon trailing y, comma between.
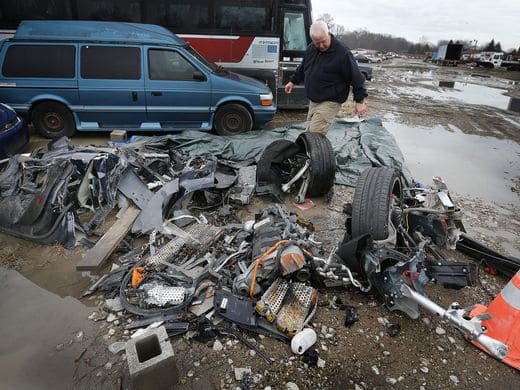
x: 53, y: 122
x: 233, y: 123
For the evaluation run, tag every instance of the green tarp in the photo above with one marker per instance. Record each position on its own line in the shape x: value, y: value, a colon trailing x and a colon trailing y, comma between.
x: 357, y: 146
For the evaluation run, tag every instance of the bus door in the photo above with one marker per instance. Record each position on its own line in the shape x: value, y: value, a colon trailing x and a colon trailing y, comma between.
x: 295, y: 38
x: 178, y: 94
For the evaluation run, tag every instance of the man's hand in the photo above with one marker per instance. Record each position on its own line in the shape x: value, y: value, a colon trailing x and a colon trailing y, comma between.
x: 360, y: 109
x: 288, y: 87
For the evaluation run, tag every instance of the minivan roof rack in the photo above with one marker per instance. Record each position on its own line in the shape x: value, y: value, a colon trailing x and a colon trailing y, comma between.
x: 68, y: 30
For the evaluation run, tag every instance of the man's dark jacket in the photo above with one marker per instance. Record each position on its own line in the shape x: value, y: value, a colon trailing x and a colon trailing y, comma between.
x: 329, y: 74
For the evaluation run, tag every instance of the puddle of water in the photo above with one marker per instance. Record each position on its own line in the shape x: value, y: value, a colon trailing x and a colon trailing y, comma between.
x: 478, y: 166
x: 462, y: 92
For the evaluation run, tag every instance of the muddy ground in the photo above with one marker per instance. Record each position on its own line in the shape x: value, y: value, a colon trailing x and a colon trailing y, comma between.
x: 449, y: 122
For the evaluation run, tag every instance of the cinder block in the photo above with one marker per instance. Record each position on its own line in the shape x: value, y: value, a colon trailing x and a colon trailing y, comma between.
x: 118, y: 136
x: 151, y: 361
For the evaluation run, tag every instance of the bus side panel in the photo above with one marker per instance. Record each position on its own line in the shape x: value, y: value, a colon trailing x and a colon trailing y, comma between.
x: 237, y: 52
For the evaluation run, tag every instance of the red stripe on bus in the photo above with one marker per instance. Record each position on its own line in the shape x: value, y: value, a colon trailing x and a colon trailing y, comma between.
x: 221, y: 50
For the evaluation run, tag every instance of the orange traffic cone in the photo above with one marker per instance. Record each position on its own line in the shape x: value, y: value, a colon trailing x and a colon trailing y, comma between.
x: 502, y: 320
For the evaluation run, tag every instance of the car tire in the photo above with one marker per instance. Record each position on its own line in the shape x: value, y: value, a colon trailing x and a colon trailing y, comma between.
x: 53, y: 120
x: 373, y: 198
x: 323, y: 162
x: 232, y: 119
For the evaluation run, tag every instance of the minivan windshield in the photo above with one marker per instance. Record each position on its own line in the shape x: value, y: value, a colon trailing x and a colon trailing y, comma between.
x: 211, y: 66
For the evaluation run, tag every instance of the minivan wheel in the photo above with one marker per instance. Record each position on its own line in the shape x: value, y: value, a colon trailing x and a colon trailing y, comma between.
x: 233, y: 119
x: 53, y: 120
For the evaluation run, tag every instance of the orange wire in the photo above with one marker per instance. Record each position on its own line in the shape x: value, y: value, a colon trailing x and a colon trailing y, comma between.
x: 260, y: 259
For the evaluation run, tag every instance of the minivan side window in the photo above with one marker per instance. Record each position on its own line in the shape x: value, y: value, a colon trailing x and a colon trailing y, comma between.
x: 51, y: 61
x: 110, y: 62
x: 169, y: 65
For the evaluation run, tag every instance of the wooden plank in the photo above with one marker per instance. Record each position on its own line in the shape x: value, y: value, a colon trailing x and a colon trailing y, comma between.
x: 96, y: 256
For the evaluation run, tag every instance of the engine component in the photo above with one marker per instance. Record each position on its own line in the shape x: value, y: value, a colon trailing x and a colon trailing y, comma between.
x: 289, y: 305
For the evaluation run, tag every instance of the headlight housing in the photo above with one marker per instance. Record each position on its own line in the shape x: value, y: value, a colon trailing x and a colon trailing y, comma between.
x: 266, y: 99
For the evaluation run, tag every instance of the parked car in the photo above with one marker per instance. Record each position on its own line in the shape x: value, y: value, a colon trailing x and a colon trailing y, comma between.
x: 68, y: 76
x: 362, y: 58
x: 14, y: 134
x: 366, y: 71
x: 374, y: 59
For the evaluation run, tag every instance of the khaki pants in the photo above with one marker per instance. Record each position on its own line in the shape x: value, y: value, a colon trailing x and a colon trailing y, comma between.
x: 321, y: 115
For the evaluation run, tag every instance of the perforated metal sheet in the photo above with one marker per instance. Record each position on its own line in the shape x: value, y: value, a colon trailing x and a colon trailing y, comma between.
x: 203, y: 234
x: 297, y: 306
x: 163, y: 295
x: 272, y: 300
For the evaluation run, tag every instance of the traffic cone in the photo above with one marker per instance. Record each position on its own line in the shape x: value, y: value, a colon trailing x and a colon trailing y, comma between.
x: 501, y: 319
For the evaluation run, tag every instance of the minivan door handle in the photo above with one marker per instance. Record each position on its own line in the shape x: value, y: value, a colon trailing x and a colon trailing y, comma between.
x: 134, y: 96
x: 156, y: 93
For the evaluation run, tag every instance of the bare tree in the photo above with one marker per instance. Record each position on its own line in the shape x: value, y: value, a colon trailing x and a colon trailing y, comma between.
x: 334, y: 28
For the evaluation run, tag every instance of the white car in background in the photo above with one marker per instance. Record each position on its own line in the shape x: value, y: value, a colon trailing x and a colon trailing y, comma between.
x: 372, y: 58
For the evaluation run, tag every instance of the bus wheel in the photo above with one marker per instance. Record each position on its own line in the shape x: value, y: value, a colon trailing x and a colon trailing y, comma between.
x: 53, y: 120
x: 232, y: 119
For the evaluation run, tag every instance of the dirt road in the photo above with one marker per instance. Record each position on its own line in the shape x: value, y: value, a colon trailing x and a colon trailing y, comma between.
x: 449, y: 122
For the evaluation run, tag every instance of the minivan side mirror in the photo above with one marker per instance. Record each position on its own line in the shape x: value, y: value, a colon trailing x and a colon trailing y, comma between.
x: 199, y: 76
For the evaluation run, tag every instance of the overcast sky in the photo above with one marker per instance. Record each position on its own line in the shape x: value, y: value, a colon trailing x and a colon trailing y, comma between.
x: 431, y: 19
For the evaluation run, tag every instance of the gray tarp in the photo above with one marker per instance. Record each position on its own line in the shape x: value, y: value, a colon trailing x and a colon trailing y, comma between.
x: 357, y: 146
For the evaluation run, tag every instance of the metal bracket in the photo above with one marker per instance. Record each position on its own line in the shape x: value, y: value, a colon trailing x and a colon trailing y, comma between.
x: 300, y: 197
x: 286, y: 187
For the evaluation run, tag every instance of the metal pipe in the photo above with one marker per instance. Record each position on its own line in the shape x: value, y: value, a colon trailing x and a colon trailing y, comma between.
x: 472, y: 329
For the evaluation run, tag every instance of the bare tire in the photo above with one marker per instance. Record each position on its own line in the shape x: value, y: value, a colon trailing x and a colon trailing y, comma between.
x: 323, y: 162
x: 53, y: 120
x: 232, y: 119
x: 376, y: 191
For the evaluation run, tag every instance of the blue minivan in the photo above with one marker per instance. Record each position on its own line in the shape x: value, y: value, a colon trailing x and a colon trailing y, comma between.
x: 96, y: 76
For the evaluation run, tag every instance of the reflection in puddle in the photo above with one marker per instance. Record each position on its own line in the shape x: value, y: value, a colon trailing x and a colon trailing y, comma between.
x: 478, y: 166
x: 462, y: 92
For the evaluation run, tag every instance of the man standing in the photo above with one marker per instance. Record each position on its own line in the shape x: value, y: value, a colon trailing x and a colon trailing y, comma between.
x: 328, y: 70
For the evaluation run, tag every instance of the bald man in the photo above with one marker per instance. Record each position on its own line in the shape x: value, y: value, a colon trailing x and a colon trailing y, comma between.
x: 328, y: 70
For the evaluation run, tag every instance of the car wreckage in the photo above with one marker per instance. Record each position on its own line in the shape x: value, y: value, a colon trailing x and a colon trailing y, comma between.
x: 202, y: 269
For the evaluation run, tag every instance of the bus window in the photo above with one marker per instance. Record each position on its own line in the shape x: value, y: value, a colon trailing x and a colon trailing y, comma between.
x: 294, y: 38
x: 13, y: 11
x: 179, y: 16
x: 253, y: 17
x: 109, y: 10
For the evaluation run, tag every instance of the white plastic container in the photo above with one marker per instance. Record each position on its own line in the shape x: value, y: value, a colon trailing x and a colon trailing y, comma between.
x: 303, y: 340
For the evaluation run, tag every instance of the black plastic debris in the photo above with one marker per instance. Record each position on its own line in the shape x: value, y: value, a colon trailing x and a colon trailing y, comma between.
x: 451, y: 274
x: 393, y: 330
x: 506, y: 265
x: 352, y: 315
x: 310, y: 357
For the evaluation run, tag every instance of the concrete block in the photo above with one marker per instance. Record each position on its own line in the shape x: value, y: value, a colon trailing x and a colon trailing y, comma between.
x: 118, y: 136
x: 150, y: 361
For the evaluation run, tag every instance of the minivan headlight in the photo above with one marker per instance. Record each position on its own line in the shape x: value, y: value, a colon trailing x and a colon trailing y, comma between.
x: 266, y: 99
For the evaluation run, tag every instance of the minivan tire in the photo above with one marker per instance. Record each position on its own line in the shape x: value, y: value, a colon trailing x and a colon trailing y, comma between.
x: 232, y: 119
x: 53, y: 120
x: 373, y: 197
